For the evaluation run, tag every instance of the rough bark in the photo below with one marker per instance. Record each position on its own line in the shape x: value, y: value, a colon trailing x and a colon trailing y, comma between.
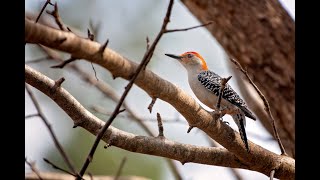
x: 260, y: 35
x: 259, y: 159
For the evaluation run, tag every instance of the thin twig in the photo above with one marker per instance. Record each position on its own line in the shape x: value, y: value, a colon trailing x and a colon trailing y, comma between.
x: 143, y: 64
x: 43, y: 8
x: 94, y: 70
x: 31, y: 116
x: 186, y: 29
x: 58, y: 168
x: 151, y: 104
x: 222, y: 86
x: 91, y: 37
x: 272, y: 174
x: 64, y: 63
x: 123, y: 161
x: 33, y: 168
x: 55, y: 14
x: 266, y: 104
x: 160, y: 126
x: 48, y: 125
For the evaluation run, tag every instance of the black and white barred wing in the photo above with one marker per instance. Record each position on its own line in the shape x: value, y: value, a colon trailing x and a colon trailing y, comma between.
x: 212, y: 82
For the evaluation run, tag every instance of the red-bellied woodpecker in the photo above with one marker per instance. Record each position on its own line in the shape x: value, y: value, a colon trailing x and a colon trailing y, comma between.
x: 205, y: 84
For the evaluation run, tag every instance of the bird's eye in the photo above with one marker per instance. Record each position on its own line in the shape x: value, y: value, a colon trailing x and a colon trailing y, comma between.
x: 190, y: 55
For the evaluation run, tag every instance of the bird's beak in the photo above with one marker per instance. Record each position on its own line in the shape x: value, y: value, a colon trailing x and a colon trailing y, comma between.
x: 174, y: 56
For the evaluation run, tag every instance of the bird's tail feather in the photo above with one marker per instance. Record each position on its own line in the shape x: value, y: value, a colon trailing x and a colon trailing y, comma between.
x: 240, y: 120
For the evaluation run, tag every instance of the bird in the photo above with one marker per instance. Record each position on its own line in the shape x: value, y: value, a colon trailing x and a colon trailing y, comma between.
x: 206, y: 84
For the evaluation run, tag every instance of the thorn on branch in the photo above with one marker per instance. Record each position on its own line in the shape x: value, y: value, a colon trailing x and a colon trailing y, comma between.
x: 151, y: 104
x: 160, y: 126
x: 64, y: 63
x: 222, y: 86
x: 122, y: 110
x: 190, y: 127
x: 90, y: 35
x: 183, y: 162
x: 76, y: 124
x: 57, y: 84
x: 103, y: 47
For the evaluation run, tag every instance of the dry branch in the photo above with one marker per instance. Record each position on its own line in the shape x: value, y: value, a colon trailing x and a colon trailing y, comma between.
x: 153, y: 145
x: 155, y: 86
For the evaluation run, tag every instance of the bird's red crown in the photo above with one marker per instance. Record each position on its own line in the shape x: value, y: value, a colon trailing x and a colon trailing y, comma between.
x: 203, y: 62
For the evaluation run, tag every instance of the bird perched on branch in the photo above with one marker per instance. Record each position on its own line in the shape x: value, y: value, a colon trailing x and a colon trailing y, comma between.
x: 206, y: 84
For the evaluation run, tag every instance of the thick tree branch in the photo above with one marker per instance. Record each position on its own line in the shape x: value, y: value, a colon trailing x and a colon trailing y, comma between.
x: 134, y: 143
x: 157, y: 87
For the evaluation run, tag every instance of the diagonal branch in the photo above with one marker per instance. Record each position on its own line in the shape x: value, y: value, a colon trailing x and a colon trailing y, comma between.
x: 164, y: 90
x: 48, y: 125
x: 266, y: 104
x: 146, y: 59
x: 187, y: 29
x: 58, y: 168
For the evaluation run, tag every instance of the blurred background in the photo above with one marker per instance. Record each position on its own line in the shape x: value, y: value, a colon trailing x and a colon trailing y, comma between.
x: 126, y: 24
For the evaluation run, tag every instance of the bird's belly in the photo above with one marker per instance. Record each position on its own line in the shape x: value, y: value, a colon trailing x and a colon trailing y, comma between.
x: 203, y: 94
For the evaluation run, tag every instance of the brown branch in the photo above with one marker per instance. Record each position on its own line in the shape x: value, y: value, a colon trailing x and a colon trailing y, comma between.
x: 166, y: 91
x: 33, y: 168
x: 187, y: 29
x: 55, y: 14
x: 58, y: 168
x: 64, y: 63
x: 31, y: 116
x: 160, y: 126
x: 131, y: 142
x: 43, y: 8
x: 143, y: 64
x: 48, y: 125
x: 151, y: 104
x: 123, y: 161
x: 265, y: 102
